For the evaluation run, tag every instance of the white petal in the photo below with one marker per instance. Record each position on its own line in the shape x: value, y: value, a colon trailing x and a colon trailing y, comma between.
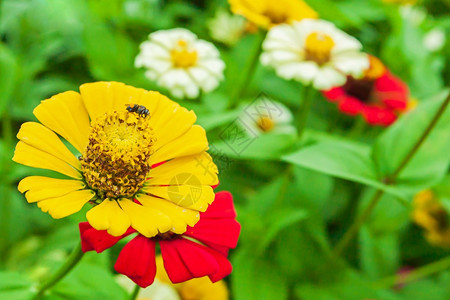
x: 327, y: 77
x: 352, y: 63
x: 205, y: 49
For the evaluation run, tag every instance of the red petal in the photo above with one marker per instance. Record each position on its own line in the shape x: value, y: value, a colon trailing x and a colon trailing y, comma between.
x: 222, y: 207
x: 222, y: 232
x: 194, y: 260
x: 350, y: 105
x: 334, y: 94
x: 137, y: 261
x: 225, y: 267
x: 98, y: 240
x: 379, y: 116
x: 218, y: 227
x: 392, y: 91
x: 175, y: 268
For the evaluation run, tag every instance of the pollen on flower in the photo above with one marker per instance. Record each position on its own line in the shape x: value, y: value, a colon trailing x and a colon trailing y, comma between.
x: 318, y: 47
x: 182, y: 57
x: 115, y: 163
x: 265, y: 123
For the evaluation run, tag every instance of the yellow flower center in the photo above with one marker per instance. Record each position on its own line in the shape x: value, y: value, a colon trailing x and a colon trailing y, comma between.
x: 318, y: 47
x: 115, y: 162
x: 265, y: 123
x: 182, y: 57
x: 276, y: 12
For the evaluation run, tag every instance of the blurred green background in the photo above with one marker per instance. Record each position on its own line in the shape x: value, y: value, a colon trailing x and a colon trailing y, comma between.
x: 293, y: 204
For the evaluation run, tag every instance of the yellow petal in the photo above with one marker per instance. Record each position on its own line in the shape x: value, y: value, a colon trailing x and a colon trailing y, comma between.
x: 66, y: 115
x: 170, y: 121
x: 66, y: 205
x: 188, y: 196
x: 201, y: 166
x: 192, y: 142
x: 109, y: 216
x: 181, y: 217
x: 32, y: 157
x: 103, y: 97
x: 146, y: 220
x: 39, y: 187
x: 42, y: 138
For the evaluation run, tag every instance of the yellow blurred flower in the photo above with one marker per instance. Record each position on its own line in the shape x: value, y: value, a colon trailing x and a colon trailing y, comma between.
x: 164, y: 289
x: 131, y: 144
x: 431, y: 215
x: 268, y: 13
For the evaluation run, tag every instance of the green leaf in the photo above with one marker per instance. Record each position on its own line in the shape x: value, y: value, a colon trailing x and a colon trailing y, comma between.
x: 346, y: 160
x: 279, y: 220
x: 379, y: 253
x: 89, y: 282
x: 347, y: 284
x: 237, y: 144
x: 114, y: 60
x: 15, y: 286
x: 430, y: 163
x: 254, y: 278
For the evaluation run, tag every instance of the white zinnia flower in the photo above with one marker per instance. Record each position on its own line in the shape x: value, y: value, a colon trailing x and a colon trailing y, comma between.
x: 314, y: 52
x: 266, y: 115
x: 226, y: 28
x: 177, y: 60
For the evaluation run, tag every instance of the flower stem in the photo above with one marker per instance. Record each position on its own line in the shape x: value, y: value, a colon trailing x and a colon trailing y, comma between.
x: 6, y: 180
x: 70, y: 263
x: 249, y: 69
x: 416, y: 274
x: 354, y: 228
x: 135, y: 292
x: 420, y: 141
x: 304, y: 110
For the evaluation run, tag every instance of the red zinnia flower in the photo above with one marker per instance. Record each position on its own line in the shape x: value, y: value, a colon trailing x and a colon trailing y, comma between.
x: 379, y: 96
x: 201, y: 251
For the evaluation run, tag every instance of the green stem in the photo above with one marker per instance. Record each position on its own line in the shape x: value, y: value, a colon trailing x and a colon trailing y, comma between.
x: 354, y: 228
x: 249, y: 69
x: 420, y: 141
x: 304, y: 110
x: 6, y: 180
x: 70, y: 263
x: 358, y: 127
x: 416, y: 274
x: 360, y: 220
x: 135, y: 292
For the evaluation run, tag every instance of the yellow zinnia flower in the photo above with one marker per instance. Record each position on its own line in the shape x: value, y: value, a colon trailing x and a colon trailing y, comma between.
x: 268, y: 13
x: 430, y: 215
x: 141, y: 160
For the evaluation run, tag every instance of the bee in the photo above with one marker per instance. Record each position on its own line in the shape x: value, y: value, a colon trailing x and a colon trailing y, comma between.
x: 139, y: 109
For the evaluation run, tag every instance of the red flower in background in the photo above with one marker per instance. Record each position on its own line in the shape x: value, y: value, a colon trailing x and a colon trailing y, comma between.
x: 379, y: 96
x: 201, y: 251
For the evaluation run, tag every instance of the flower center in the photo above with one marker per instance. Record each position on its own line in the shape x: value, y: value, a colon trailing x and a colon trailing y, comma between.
x: 318, y: 47
x: 276, y: 12
x: 182, y: 57
x: 115, y: 162
x: 361, y: 89
x: 265, y: 123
